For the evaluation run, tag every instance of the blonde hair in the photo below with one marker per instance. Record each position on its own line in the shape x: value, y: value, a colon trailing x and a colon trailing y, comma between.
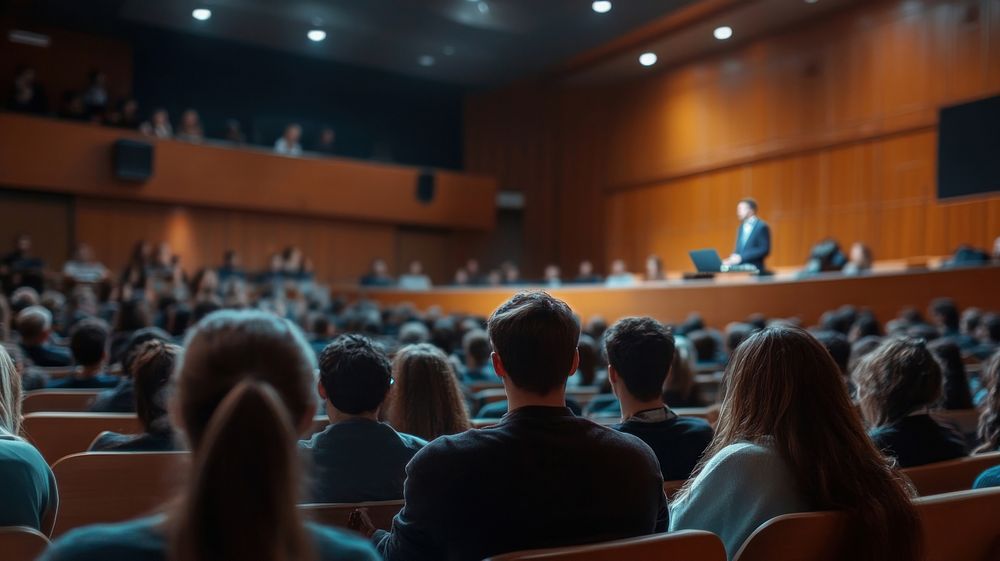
x: 10, y: 395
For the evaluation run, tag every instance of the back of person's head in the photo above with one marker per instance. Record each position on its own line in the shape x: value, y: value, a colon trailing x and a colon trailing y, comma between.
x: 706, y: 346
x: 152, y: 368
x: 88, y: 341
x: 896, y: 379
x: 923, y: 331
x: 640, y: 350
x: 244, y: 392
x: 784, y: 391
x: 355, y: 374
x: 837, y: 345
x: 535, y: 337
x: 133, y: 314
x: 956, y: 393
x: 944, y: 312
x: 590, y: 356
x: 413, y: 332
x: 970, y: 320
x: 24, y: 297
x: 426, y: 400
x: 680, y: 379
x: 736, y: 333
x: 989, y: 421
x: 34, y: 324
x: 989, y: 328
x: 866, y: 324
x: 10, y: 396
x: 861, y: 348
x: 135, y: 341
x: 476, y: 345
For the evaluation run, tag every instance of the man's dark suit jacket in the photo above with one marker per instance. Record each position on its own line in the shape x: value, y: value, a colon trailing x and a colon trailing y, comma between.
x: 540, y: 478
x: 757, y: 246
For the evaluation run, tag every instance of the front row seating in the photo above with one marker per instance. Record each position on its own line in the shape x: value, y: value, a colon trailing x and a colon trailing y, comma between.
x: 952, y: 475
x: 20, y: 543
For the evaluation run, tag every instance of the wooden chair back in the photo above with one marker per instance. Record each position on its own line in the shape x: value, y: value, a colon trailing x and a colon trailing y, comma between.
x: 20, y: 543
x: 962, y: 526
x: 810, y: 536
x: 686, y: 545
x: 57, y: 400
x: 949, y: 476
x: 57, y: 435
x: 338, y: 514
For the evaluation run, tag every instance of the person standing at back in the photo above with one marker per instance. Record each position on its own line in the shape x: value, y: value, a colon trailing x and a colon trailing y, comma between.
x: 753, y: 237
x: 541, y: 477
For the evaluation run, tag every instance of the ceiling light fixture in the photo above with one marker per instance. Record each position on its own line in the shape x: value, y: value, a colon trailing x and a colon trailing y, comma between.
x: 647, y: 59
x: 601, y: 6
x: 316, y: 35
x: 201, y: 14
x: 722, y: 33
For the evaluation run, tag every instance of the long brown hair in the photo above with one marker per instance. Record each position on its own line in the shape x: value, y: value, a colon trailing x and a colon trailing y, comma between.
x: 425, y: 400
x: 989, y: 422
x: 244, y: 382
x: 896, y: 379
x: 10, y: 395
x: 784, y: 390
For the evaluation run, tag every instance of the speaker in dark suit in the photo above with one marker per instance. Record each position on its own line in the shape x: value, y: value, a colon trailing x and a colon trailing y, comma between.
x: 753, y: 237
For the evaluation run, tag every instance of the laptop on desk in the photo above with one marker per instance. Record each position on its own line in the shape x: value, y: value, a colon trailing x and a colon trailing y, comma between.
x: 706, y: 260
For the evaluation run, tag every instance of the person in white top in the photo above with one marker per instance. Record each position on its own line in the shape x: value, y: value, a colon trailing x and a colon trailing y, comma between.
x: 288, y: 144
x: 83, y: 267
x: 790, y: 440
x: 619, y: 275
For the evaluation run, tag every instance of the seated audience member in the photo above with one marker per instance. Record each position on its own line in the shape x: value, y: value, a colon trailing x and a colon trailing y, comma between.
x: 132, y: 315
x: 72, y: 107
x: 840, y: 351
x: 789, y: 443
x: 654, y: 268
x: 865, y: 325
x: 987, y: 337
x: 511, y: 274
x: 234, y: 132
x: 28, y: 495
x: 426, y: 400
x: 121, y: 398
x: 321, y: 331
x: 551, y: 276
x: 84, y: 267
x: 586, y: 374
x: 125, y: 116
x: 736, y: 333
x: 357, y: 458
x: 944, y: 314
x: 95, y: 97
x: 586, y: 274
x: 898, y: 383
x: 708, y: 347
x: 231, y: 269
x: 23, y: 267
x: 327, y: 142
x: 245, y: 390
x: 477, y: 350
x: 619, y: 275
x: 679, y: 389
x: 190, y: 127
x: 989, y: 422
x: 26, y: 95
x: 34, y: 323
x: 461, y: 278
x: 536, y: 460
x: 378, y: 275
x: 151, y: 369
x: 158, y: 125
x: 89, y: 344
x: 859, y: 260
x: 288, y: 144
x: 413, y: 332
x: 956, y: 394
x: 640, y: 353
x: 415, y: 279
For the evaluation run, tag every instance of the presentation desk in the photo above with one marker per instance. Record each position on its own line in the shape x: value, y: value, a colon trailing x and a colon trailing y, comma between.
x: 734, y: 298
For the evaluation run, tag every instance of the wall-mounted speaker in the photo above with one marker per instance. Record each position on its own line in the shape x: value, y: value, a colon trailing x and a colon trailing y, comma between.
x: 133, y: 160
x: 426, y: 186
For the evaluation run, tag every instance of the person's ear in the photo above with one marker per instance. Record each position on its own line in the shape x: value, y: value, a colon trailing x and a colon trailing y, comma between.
x: 612, y: 375
x: 576, y: 362
x: 498, y: 365
x: 322, y: 391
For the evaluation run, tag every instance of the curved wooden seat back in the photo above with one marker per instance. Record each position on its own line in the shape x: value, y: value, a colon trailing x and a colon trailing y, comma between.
x: 962, y: 526
x: 115, y: 486
x: 950, y: 476
x: 686, y: 545
x: 809, y: 536
x: 337, y: 514
x: 20, y: 543
x: 57, y: 435
x: 57, y: 400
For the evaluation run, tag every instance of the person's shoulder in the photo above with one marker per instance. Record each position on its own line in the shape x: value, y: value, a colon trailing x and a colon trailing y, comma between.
x: 338, y: 545
x: 105, y: 441
x: 133, y: 541
x: 693, y: 425
x: 15, y: 447
x: 411, y: 441
x: 989, y: 478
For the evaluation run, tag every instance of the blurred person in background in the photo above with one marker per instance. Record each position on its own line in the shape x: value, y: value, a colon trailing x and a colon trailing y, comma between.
x: 288, y: 143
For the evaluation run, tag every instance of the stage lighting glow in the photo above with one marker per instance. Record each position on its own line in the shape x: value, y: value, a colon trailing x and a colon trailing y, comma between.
x: 201, y: 14
x: 601, y: 6
x: 316, y: 35
x: 722, y: 33
x: 647, y: 59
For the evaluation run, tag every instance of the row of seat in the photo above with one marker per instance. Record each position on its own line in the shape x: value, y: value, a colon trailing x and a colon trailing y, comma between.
x: 960, y: 526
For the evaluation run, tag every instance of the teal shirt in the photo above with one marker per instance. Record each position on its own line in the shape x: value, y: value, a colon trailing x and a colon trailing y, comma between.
x: 27, y: 486
x: 142, y: 540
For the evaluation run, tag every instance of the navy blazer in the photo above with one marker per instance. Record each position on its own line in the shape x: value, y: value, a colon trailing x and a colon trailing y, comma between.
x: 540, y: 478
x: 757, y: 246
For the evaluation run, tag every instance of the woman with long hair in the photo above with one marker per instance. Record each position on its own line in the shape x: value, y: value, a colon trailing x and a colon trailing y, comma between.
x: 425, y: 400
x: 28, y: 495
x: 244, y: 393
x: 989, y: 422
x: 898, y: 385
x: 789, y: 440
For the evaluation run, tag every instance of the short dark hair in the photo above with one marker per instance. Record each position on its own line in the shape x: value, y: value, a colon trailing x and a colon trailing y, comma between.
x: 355, y: 372
x: 837, y: 345
x: 946, y: 309
x: 476, y: 345
x: 750, y: 202
x: 89, y: 341
x: 640, y: 349
x: 535, y: 336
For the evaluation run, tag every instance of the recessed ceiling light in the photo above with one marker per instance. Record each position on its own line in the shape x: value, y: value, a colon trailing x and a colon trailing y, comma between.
x: 426, y: 60
x: 722, y: 33
x: 647, y: 59
x: 316, y: 35
x: 201, y: 14
x: 601, y: 6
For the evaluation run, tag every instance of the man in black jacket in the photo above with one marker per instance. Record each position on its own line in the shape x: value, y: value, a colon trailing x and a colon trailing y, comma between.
x: 541, y: 477
x: 753, y: 237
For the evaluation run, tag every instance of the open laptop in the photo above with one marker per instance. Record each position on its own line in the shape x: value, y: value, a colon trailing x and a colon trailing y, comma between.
x: 706, y: 260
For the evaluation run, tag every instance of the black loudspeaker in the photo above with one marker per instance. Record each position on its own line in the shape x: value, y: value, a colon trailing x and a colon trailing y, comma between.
x: 133, y: 160
x: 425, y: 186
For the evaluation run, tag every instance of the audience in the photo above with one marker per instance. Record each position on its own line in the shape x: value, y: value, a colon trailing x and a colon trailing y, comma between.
x: 190, y: 127
x: 989, y: 422
x: 654, y: 268
x: 477, y: 350
x: 28, y: 495
x: 536, y: 460
x: 859, y: 260
x: 121, y: 398
x: 89, y: 345
x: 955, y: 394
x: 425, y: 400
x: 680, y: 389
x: 379, y: 275
x: 640, y: 352
x: 789, y: 440
x: 288, y: 143
x: 414, y: 279
x: 245, y: 389
x: 619, y: 275
x: 898, y: 383
x: 944, y: 313
x: 34, y: 324
x: 586, y: 274
x: 84, y: 268
x: 357, y: 458
x: 27, y: 95
x: 158, y: 125
x: 151, y: 369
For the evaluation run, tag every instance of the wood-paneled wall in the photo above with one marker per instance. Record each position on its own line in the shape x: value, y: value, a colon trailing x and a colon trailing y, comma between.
x: 831, y: 126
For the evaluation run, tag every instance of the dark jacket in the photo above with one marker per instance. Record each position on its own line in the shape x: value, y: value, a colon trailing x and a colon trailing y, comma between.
x: 757, y: 246
x: 94, y: 382
x: 359, y: 460
x: 540, y: 478
x: 48, y: 355
x: 919, y: 439
x: 109, y: 441
x: 119, y: 399
x: 678, y: 442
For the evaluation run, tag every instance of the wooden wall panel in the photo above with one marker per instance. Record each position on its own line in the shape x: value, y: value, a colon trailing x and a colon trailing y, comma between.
x: 47, y: 218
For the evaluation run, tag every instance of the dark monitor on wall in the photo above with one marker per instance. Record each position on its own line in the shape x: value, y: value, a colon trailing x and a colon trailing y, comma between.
x: 133, y: 160
x: 969, y: 149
